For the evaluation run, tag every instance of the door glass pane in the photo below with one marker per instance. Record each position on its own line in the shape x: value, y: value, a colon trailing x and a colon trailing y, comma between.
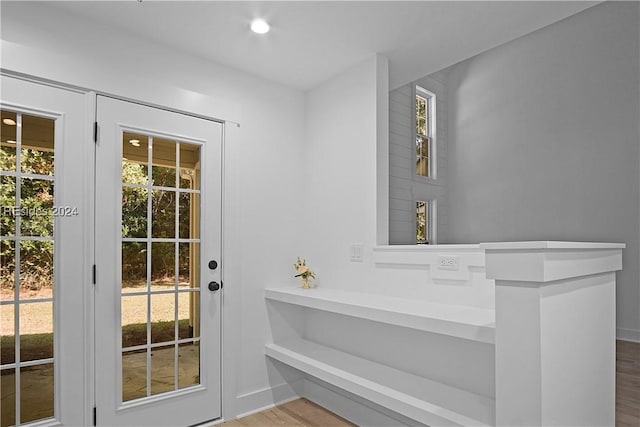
x: 164, y: 163
x: 134, y: 211
x: 163, y: 266
x: 163, y: 213
x: 8, y: 397
x: 190, y: 166
x: 135, y: 158
x: 189, y: 314
x: 134, y: 266
x: 36, y: 203
x: 189, y: 265
x: 27, y: 199
x: 134, y: 375
x: 189, y: 212
x: 185, y: 321
x: 36, y: 269
x: 37, y: 145
x: 189, y: 364
x: 134, y: 320
x: 36, y: 392
x: 163, y: 325
x: 8, y: 334
x: 8, y: 141
x: 7, y: 270
x: 165, y: 254
x: 36, y: 331
x: 8, y: 203
x: 163, y: 369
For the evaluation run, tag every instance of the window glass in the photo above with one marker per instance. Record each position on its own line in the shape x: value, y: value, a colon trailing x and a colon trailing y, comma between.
x: 424, y: 125
x: 422, y: 223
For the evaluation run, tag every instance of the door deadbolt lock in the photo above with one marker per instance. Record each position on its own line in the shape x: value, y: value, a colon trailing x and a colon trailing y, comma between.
x: 213, y: 264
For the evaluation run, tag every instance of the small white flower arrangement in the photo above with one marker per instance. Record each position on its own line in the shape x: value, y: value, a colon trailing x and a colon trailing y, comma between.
x: 304, y: 272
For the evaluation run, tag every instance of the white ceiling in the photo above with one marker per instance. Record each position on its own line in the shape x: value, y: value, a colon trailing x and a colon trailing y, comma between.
x: 311, y: 41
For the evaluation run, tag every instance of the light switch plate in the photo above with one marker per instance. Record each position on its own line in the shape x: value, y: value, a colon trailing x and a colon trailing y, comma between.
x: 356, y: 252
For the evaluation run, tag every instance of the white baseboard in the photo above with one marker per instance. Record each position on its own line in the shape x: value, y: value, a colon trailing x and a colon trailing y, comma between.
x: 628, y: 334
x: 260, y: 400
x: 351, y: 407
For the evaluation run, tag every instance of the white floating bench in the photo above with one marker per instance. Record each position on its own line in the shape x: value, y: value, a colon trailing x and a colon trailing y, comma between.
x: 552, y: 332
x: 415, y: 397
x: 476, y: 324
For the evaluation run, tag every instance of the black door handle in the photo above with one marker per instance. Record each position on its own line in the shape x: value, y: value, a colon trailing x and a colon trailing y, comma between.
x: 214, y: 286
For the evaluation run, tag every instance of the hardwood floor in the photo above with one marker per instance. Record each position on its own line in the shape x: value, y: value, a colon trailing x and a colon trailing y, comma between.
x: 302, y: 412
x: 627, y: 384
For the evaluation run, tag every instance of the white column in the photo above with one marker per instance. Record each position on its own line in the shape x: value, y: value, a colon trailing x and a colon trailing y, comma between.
x: 555, y: 332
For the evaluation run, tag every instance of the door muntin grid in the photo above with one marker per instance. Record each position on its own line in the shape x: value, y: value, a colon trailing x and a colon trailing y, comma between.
x: 27, y: 280
x: 160, y: 266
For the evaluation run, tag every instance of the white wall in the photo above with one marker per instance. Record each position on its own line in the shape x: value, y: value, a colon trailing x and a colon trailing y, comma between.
x: 263, y: 158
x: 401, y: 170
x: 544, y: 141
x: 340, y: 166
x: 405, y: 187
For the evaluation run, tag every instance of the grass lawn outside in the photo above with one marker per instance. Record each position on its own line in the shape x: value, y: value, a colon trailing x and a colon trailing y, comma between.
x: 40, y: 346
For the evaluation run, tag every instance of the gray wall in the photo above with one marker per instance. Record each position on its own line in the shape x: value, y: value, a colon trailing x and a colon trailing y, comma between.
x: 543, y: 141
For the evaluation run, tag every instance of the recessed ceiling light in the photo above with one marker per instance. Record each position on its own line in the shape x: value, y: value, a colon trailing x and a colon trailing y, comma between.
x: 135, y: 142
x: 9, y: 122
x: 11, y: 141
x: 259, y: 26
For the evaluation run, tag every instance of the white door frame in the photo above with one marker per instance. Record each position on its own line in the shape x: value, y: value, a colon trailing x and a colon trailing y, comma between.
x: 230, y: 305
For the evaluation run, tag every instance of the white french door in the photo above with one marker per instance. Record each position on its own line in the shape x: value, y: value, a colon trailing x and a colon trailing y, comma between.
x: 158, y: 247
x: 45, y: 175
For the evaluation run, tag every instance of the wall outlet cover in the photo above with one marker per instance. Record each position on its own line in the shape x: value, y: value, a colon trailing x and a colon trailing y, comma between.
x: 448, y: 262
